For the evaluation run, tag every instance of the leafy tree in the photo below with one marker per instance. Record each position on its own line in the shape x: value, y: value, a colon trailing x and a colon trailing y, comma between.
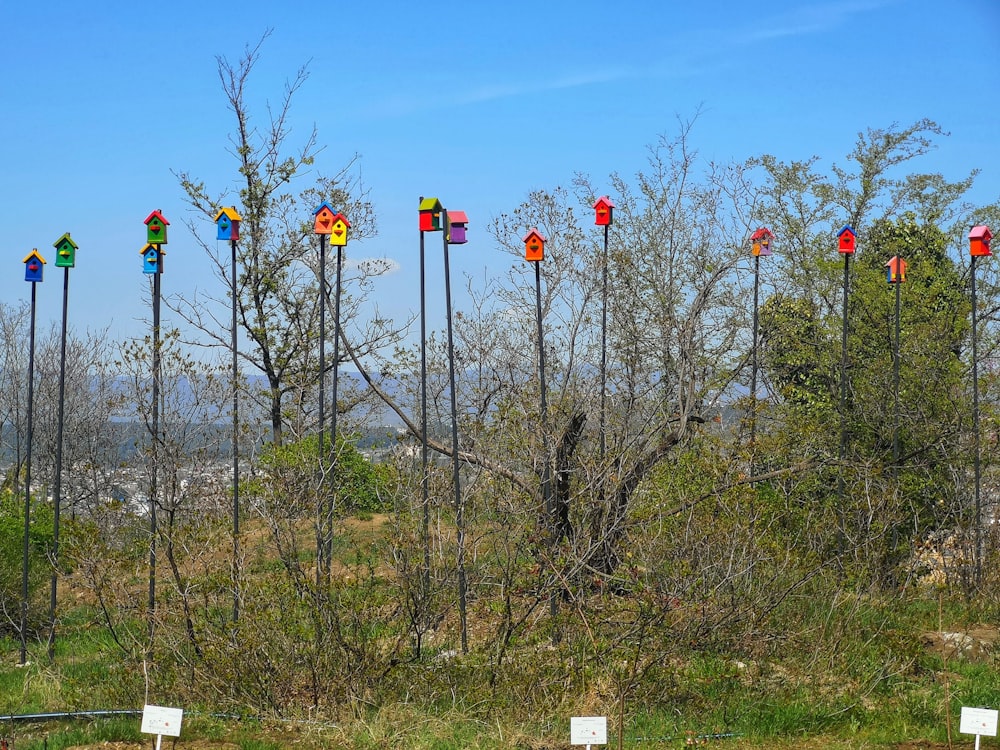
x: 277, y: 290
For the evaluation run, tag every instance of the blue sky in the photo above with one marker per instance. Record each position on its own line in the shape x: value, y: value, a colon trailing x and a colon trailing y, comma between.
x: 477, y: 104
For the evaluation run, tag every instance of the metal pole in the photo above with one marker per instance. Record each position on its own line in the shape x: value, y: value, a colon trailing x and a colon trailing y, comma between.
x: 544, y: 418
x: 57, y: 480
x: 424, y: 479
x: 27, y: 481
x: 843, y: 380
x: 333, y: 409
x: 895, y: 380
x: 236, y: 443
x: 604, y: 354
x: 321, y: 550
x: 155, y: 446
x: 975, y: 430
x: 459, y: 505
x: 754, y: 365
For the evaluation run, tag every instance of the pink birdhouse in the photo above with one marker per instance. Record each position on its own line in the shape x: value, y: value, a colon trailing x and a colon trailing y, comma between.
x: 761, y: 241
x: 846, y: 239
x: 979, y: 241
x: 604, y: 210
x: 534, y: 245
x: 457, y: 223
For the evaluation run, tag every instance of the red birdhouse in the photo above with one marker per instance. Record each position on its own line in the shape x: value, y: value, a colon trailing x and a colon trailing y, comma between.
x: 761, y: 241
x: 979, y: 241
x: 846, y: 239
x: 430, y: 214
x: 604, y: 210
x: 534, y: 245
x: 896, y: 270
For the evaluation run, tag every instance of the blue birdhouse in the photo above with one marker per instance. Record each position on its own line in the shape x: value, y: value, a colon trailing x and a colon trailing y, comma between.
x: 34, y: 263
x: 152, y: 259
x: 228, y: 223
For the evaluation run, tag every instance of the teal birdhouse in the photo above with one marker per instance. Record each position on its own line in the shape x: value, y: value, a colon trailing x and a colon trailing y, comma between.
x: 156, y: 228
x: 227, y: 221
x: 34, y: 264
x: 65, y: 252
x: 152, y: 259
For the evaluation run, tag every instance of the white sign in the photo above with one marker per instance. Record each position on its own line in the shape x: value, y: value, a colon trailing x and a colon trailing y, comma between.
x: 979, y: 721
x: 161, y: 720
x: 588, y: 730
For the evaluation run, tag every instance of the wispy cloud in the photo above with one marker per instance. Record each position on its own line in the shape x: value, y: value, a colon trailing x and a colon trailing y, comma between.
x: 689, y: 58
x: 810, y: 19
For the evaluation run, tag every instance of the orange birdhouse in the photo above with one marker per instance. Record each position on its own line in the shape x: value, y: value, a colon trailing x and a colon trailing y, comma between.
x: 323, y: 219
x: 845, y: 241
x: 979, y: 241
x: 534, y: 245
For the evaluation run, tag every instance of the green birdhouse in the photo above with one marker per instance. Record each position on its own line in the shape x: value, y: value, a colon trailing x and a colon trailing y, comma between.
x: 65, y: 252
x: 156, y: 228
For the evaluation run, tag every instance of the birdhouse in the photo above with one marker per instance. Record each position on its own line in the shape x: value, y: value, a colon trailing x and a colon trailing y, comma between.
x: 338, y: 230
x: 34, y: 264
x: 430, y: 214
x: 323, y: 219
x: 979, y: 241
x: 761, y: 241
x: 457, y: 223
x: 604, y: 209
x: 227, y: 221
x: 534, y: 245
x: 152, y: 259
x: 845, y: 244
x: 156, y: 228
x: 65, y: 252
x: 895, y: 270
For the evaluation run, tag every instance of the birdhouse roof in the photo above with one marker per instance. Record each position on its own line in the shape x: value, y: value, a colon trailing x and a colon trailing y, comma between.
x: 341, y: 217
x: 982, y: 232
x: 846, y: 230
x: 151, y: 248
x: 64, y: 240
x: 458, y: 217
x: 229, y: 213
x: 156, y: 215
x: 324, y: 206
x: 430, y: 204
x: 761, y: 234
x: 533, y: 231
x: 604, y: 201
x: 33, y: 254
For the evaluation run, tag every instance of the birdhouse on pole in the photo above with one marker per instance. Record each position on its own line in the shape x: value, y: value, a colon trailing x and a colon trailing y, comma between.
x: 979, y: 241
x: 338, y: 230
x: 323, y: 219
x: 457, y: 223
x: 604, y: 209
x: 761, y: 242
x: 34, y: 264
x: 65, y: 252
x: 156, y: 228
x: 152, y: 258
x: 846, y: 239
x: 430, y: 214
x: 534, y: 245
x: 895, y: 270
x: 228, y: 223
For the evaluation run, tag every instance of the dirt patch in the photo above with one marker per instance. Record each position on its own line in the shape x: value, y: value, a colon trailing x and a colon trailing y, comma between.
x: 974, y: 643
